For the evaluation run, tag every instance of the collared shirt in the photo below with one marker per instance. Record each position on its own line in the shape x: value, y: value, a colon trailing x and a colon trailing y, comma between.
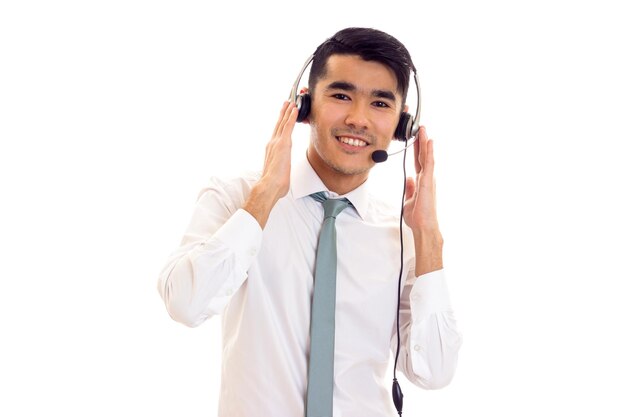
x: 261, y: 282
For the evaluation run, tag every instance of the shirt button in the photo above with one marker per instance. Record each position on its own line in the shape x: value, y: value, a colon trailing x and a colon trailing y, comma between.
x: 229, y: 292
x: 417, y: 348
x: 252, y: 252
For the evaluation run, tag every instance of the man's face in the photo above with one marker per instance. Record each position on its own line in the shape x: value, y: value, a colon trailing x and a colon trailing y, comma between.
x: 355, y: 110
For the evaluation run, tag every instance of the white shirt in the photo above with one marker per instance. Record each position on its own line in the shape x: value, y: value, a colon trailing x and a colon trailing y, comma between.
x: 261, y: 281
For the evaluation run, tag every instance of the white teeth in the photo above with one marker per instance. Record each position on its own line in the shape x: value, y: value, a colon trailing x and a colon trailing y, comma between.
x: 352, y: 141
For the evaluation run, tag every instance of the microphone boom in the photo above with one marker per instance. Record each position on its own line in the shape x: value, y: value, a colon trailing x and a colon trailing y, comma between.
x: 381, y: 155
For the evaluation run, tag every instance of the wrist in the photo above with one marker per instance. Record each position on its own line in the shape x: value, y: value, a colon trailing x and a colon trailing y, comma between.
x: 428, y: 251
x: 261, y: 201
x: 430, y: 235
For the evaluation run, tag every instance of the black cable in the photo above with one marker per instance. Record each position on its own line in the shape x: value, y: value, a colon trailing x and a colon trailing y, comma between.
x: 395, y: 390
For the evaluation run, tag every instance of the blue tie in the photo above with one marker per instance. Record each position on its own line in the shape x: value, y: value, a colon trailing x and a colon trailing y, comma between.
x: 319, y: 402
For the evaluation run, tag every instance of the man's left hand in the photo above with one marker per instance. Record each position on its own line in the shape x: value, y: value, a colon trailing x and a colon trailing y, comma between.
x: 420, y: 208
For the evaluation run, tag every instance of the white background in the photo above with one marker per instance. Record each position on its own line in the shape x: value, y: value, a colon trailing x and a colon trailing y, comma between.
x: 114, y: 114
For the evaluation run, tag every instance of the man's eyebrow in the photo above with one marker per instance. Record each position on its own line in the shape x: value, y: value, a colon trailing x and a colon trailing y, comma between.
x: 384, y: 94
x: 346, y: 86
x: 341, y: 85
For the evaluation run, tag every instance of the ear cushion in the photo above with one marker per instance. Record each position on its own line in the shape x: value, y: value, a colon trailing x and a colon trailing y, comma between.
x: 303, y: 102
x: 403, y: 130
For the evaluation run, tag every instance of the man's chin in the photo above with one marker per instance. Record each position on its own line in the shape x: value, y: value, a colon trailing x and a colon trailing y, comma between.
x: 350, y: 169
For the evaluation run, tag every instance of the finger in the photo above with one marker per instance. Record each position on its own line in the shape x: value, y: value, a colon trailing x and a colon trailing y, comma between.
x: 429, y: 161
x: 290, y: 122
x: 422, y: 138
x: 410, y: 188
x: 287, y: 118
x: 416, y: 153
x: 283, y: 109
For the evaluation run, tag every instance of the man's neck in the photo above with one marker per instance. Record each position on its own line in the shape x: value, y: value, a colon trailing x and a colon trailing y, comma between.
x: 334, y: 180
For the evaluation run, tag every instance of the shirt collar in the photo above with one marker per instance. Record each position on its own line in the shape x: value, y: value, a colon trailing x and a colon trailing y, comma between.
x: 305, y: 181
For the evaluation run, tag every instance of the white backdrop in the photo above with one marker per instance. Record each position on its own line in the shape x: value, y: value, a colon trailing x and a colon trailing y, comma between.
x: 114, y: 114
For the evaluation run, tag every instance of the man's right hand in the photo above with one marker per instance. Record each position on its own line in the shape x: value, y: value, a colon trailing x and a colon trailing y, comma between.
x: 275, y: 179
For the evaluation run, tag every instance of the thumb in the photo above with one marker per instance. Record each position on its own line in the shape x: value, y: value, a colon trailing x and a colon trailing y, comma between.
x: 410, y: 188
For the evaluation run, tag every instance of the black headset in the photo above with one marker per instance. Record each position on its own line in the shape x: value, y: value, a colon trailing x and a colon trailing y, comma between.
x: 407, y: 125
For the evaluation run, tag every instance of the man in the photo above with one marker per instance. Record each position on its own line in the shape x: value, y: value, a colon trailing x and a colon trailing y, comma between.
x: 250, y: 250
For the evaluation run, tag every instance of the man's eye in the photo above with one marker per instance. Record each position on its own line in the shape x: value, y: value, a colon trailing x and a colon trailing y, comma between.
x: 380, y: 104
x: 341, y: 96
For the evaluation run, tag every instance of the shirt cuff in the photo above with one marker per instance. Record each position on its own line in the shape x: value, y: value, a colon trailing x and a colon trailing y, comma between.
x: 429, y: 295
x: 241, y: 234
x: 236, y: 243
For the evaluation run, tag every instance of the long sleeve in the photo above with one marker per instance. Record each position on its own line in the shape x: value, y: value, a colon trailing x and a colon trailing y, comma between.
x: 429, y: 338
x: 212, y: 261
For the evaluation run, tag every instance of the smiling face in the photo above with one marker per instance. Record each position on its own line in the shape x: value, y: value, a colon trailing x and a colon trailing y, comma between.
x: 355, y: 110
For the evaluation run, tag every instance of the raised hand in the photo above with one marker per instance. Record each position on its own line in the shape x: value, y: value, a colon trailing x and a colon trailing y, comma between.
x: 420, y: 207
x: 274, y: 181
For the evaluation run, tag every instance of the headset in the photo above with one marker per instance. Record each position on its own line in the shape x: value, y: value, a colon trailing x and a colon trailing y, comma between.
x: 406, y: 131
x: 406, y: 128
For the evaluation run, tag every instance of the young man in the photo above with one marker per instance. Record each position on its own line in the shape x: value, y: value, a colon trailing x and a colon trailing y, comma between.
x: 249, y: 253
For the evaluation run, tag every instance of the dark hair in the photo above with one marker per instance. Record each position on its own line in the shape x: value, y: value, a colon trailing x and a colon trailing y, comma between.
x: 370, y: 45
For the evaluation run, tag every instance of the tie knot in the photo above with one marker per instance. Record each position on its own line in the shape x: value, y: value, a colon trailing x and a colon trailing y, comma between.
x: 332, y: 206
